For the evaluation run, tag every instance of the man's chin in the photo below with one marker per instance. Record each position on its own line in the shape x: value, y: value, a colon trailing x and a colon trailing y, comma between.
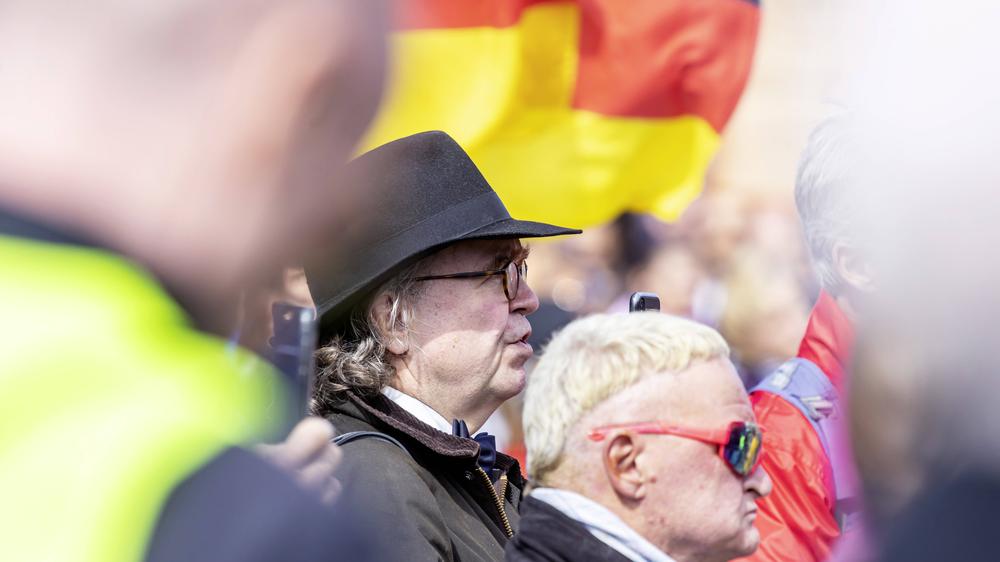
x: 512, y: 383
x: 750, y: 542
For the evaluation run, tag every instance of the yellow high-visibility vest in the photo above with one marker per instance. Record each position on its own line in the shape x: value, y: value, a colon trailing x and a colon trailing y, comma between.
x: 108, y: 399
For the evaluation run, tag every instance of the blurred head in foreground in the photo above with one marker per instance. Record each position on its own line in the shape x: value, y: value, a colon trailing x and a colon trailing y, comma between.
x: 924, y: 399
x: 632, y: 411
x: 200, y: 138
x: 155, y: 152
x: 924, y: 395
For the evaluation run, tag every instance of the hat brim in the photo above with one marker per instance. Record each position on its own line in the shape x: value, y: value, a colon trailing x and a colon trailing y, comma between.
x: 513, y: 228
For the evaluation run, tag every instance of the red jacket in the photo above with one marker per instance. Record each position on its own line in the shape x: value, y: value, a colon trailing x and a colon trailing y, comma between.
x: 796, y: 520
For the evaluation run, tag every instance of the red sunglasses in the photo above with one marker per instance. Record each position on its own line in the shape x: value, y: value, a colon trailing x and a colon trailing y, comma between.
x: 739, y: 444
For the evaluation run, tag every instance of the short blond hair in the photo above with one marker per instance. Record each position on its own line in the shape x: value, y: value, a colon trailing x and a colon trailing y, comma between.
x: 596, y: 357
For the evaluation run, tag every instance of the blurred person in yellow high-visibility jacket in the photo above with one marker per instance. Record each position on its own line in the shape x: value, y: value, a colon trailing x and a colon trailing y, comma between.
x: 157, y: 161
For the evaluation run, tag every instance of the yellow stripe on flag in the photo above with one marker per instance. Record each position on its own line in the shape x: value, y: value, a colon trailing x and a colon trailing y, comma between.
x: 579, y: 168
x: 505, y: 95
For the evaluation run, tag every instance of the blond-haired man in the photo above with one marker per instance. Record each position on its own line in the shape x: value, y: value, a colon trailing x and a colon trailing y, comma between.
x: 641, y: 446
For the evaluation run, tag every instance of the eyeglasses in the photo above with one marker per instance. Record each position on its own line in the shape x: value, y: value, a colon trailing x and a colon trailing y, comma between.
x: 739, y: 444
x: 512, y: 273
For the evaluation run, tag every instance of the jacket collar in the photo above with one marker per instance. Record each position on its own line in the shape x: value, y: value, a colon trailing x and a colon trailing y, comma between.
x: 602, y: 524
x: 418, y: 409
x: 385, y: 413
x: 388, y: 413
x: 546, y: 533
x: 829, y: 340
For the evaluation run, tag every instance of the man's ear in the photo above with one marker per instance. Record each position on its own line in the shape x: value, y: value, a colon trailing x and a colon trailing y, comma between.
x: 853, y: 267
x: 621, y: 467
x: 391, y: 327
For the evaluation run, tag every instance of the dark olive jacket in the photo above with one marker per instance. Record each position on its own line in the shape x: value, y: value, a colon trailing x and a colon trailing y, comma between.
x: 548, y: 535
x: 431, y: 500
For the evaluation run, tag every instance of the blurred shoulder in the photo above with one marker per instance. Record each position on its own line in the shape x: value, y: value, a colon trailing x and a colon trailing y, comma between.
x: 238, y: 494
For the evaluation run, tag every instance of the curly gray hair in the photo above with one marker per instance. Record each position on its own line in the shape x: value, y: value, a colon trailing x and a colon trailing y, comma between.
x: 359, y: 361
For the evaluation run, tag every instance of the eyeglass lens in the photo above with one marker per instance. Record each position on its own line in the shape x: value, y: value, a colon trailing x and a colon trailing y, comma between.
x: 743, y: 448
x: 512, y: 278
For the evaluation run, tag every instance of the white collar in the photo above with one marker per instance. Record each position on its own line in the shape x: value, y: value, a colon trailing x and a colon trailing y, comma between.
x: 604, y: 525
x: 418, y: 409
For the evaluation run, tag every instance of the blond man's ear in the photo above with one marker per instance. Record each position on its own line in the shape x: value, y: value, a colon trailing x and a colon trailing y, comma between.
x: 621, y: 466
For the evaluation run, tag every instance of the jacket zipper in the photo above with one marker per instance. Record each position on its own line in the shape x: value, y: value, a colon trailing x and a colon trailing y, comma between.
x: 499, y: 502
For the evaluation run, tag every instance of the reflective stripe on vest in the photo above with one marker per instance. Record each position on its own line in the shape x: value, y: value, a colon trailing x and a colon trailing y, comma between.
x: 109, y: 399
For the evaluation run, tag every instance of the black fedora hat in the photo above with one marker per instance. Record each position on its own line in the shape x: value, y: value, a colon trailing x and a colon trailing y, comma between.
x: 424, y: 193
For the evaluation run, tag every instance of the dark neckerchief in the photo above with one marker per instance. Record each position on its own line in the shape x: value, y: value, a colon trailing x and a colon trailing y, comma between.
x: 487, y: 446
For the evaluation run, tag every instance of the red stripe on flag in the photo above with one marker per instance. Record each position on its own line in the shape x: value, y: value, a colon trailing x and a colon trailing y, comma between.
x: 443, y: 14
x: 664, y: 58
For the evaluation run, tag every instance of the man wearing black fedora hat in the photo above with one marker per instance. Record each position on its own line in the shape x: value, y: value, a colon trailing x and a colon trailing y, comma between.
x: 423, y: 335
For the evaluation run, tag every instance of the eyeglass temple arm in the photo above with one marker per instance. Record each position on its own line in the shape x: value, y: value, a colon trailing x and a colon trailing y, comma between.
x: 460, y: 275
x: 718, y: 437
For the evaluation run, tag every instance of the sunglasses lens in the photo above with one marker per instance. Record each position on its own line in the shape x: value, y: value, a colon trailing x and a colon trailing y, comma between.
x: 743, y: 448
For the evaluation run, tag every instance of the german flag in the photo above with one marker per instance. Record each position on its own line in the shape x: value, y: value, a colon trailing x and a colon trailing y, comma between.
x: 575, y: 110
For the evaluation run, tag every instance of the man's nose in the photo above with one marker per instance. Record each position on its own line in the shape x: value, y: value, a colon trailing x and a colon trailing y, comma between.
x: 525, y: 301
x: 758, y: 482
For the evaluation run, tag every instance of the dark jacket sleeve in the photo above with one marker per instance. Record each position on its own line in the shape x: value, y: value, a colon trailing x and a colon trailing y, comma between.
x: 240, y: 508
x: 390, y: 485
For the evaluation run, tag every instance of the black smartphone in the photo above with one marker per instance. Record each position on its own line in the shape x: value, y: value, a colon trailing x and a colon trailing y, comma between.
x: 643, y: 301
x: 293, y: 347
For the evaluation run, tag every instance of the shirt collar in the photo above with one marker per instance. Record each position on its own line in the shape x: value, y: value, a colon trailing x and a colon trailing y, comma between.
x: 418, y: 409
x: 829, y: 339
x: 602, y: 524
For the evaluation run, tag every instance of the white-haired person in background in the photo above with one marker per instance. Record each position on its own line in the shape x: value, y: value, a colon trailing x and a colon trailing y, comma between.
x: 642, y: 445
x: 817, y: 500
